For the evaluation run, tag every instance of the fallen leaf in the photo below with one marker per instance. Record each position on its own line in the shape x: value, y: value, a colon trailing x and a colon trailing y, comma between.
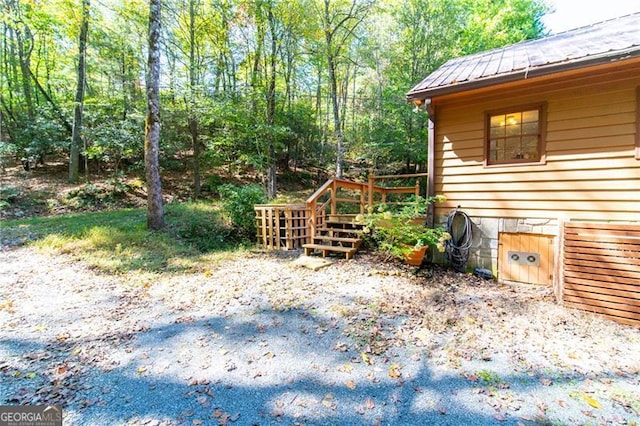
x: 369, y: 404
x: 141, y: 370
x: 30, y: 375
x: 350, y: 384
x: 499, y: 417
x: 591, y: 401
x: 562, y: 403
x: 546, y: 382
x: 394, y: 371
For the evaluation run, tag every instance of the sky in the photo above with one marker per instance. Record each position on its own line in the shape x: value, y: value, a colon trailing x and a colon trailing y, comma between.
x: 578, y: 13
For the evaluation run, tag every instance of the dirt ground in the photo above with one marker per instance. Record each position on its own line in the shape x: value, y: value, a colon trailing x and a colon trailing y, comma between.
x: 257, y: 339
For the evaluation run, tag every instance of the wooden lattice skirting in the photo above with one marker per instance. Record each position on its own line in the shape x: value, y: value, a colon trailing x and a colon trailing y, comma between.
x: 282, y: 226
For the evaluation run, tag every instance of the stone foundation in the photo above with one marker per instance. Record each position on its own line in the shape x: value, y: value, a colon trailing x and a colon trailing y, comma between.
x: 484, y: 253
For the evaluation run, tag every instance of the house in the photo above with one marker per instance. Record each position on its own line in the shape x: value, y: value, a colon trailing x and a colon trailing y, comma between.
x: 537, y: 136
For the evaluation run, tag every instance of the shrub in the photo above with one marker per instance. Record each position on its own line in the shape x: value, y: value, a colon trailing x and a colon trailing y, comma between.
x: 399, y: 233
x: 238, y: 202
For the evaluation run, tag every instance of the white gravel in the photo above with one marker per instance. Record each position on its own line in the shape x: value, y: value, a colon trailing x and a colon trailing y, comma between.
x: 254, y: 340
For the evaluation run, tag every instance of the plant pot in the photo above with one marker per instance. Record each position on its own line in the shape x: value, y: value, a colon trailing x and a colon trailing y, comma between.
x: 415, y: 256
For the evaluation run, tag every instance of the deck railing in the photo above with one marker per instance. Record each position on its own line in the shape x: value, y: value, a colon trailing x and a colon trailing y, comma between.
x: 289, y: 226
x: 325, y: 201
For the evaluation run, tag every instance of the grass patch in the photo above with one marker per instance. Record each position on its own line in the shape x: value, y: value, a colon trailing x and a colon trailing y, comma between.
x: 118, y: 241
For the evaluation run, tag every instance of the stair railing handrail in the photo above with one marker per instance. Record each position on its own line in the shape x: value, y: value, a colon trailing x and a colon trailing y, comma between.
x: 367, y: 195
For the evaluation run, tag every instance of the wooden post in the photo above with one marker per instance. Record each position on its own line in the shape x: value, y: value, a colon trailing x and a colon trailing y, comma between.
x: 334, y: 202
x: 370, y: 183
x: 312, y: 224
x: 558, y: 270
x: 431, y: 151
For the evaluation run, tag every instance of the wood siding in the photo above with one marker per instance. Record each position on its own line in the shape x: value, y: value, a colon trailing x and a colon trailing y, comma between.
x: 591, y: 170
x: 602, y: 269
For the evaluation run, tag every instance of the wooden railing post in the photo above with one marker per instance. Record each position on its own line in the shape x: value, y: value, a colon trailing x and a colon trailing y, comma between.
x: 334, y: 202
x: 313, y: 217
x: 370, y: 183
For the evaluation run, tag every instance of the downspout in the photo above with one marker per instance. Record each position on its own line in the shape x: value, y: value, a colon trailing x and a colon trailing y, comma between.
x: 431, y: 141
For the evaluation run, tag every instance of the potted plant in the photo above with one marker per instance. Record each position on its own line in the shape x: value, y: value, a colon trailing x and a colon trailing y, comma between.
x: 403, y: 234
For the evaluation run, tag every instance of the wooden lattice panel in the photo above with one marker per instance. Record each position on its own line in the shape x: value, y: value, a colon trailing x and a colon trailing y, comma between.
x: 281, y: 226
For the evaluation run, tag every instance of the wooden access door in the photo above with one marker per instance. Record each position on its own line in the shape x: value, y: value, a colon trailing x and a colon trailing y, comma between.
x: 526, y: 258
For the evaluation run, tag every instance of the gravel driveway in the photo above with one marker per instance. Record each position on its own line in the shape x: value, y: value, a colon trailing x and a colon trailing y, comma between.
x: 257, y: 340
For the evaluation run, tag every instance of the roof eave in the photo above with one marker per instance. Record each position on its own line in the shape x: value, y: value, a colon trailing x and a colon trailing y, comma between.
x: 523, y: 74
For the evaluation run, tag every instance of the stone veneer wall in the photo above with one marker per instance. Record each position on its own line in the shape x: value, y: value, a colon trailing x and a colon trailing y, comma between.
x: 484, y: 253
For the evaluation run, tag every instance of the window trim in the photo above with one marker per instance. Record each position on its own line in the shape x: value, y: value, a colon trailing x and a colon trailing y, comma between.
x: 542, y: 123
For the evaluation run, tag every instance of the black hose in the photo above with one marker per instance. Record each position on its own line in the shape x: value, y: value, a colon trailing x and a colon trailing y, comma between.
x: 460, y: 227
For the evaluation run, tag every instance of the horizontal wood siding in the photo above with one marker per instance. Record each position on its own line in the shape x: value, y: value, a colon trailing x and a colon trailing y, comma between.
x: 602, y: 269
x: 591, y: 171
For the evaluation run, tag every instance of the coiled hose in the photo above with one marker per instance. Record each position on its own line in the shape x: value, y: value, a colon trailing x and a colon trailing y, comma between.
x: 460, y: 227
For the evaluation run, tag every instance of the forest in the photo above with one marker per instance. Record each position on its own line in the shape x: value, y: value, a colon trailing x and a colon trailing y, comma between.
x: 267, y: 86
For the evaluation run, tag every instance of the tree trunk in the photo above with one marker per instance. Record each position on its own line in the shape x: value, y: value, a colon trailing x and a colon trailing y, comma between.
x: 76, y: 133
x: 193, y: 81
x: 155, y: 211
x: 336, y: 117
x: 272, y: 187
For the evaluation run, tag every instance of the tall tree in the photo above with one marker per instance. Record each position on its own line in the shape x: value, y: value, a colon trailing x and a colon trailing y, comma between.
x: 76, y: 135
x: 155, y: 209
x: 339, y: 21
x: 272, y: 167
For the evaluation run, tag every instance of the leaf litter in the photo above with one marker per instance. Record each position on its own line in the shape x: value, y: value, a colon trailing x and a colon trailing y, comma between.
x: 256, y: 339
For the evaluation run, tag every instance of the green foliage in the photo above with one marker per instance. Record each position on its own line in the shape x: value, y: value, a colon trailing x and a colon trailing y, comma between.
x: 111, y: 141
x: 213, y: 183
x: 400, y: 232
x: 238, y: 202
x: 92, y: 196
x: 8, y: 195
x: 118, y: 241
x: 200, y: 225
x: 7, y: 154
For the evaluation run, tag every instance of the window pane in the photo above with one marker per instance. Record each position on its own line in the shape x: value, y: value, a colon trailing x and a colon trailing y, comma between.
x: 497, y: 120
x: 498, y: 132
x: 514, y: 150
x: 530, y: 128
x: 513, y: 130
x: 530, y: 147
x: 530, y: 116
x: 514, y: 118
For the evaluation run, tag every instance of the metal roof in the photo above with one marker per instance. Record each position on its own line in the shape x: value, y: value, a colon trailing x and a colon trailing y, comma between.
x: 599, y: 43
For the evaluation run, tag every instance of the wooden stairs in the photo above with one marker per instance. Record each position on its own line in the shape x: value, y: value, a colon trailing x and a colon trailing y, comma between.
x: 340, y: 235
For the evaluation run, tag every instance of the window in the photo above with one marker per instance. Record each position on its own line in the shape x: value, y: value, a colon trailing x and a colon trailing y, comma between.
x: 515, y: 136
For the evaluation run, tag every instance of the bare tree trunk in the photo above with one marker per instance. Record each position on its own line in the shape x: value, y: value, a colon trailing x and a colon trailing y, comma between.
x: 76, y: 133
x: 155, y: 211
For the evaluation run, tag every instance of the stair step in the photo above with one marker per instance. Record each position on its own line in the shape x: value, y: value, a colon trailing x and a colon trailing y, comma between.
x: 341, y: 231
x: 338, y: 239
x: 348, y: 251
